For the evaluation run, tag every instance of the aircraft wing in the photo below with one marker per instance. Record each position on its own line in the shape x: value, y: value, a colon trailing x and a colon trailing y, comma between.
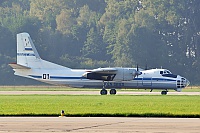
x: 17, y: 66
x: 105, y: 70
x: 106, y: 74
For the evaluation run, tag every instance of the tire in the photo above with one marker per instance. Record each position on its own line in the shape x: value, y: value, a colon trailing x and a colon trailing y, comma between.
x: 103, y: 92
x: 113, y: 92
x: 164, y: 92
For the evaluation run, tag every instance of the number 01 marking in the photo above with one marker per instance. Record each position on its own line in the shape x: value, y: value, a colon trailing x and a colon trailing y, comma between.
x: 45, y: 76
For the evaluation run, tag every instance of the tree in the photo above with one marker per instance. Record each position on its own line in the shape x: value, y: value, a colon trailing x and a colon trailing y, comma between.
x: 86, y: 18
x: 93, y: 47
x: 47, y: 10
x: 65, y: 22
x: 13, y: 18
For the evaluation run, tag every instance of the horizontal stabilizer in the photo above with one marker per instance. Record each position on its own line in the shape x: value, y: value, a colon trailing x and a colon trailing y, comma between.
x: 17, y: 66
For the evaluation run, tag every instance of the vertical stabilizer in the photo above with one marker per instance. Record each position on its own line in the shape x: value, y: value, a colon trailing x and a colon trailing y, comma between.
x: 28, y: 57
x: 26, y: 51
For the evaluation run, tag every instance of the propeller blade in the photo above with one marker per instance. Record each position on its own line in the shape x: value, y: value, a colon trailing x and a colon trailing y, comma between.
x: 137, y: 72
x: 146, y: 67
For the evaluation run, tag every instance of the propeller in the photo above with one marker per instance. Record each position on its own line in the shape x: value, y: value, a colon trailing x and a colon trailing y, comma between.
x: 146, y: 67
x: 137, y: 71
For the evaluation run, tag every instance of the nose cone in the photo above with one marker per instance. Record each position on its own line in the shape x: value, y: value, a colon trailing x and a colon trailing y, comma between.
x: 187, y: 83
x: 182, y: 82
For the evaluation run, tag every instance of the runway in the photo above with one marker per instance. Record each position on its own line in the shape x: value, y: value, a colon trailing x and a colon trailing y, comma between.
x: 98, y: 124
x: 91, y: 93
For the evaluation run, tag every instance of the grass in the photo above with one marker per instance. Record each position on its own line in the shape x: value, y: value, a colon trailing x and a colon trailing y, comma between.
x: 90, y: 105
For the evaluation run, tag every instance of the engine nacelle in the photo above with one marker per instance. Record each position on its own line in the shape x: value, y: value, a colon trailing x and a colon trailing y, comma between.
x: 125, y: 74
x: 99, y: 76
x: 112, y: 74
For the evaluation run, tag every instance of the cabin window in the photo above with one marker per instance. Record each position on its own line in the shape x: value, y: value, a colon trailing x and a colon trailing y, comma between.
x: 161, y: 72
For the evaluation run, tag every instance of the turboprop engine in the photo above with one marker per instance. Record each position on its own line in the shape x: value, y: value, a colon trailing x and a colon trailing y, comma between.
x: 125, y: 74
x: 112, y: 74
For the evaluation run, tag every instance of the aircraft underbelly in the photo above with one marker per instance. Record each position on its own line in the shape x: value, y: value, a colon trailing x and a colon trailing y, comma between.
x: 112, y: 84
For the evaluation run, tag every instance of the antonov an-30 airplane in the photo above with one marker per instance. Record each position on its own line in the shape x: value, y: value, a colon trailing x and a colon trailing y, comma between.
x: 30, y: 65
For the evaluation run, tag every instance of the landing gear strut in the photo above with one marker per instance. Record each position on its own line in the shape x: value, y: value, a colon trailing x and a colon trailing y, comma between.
x: 104, y: 91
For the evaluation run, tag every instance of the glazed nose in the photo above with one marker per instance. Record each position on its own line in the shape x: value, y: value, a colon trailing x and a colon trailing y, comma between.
x: 185, y: 82
x: 182, y: 82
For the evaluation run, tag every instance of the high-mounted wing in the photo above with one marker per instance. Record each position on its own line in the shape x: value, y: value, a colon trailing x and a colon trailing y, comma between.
x: 106, y: 74
x: 112, y: 74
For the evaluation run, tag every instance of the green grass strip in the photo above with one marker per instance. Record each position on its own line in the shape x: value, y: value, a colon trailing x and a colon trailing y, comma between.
x: 93, y: 106
x: 63, y: 88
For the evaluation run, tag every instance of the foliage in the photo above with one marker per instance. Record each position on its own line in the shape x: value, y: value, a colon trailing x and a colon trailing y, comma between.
x: 96, y: 33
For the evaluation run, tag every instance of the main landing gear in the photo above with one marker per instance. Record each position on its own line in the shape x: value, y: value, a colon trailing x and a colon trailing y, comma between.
x: 113, y: 92
x: 105, y: 92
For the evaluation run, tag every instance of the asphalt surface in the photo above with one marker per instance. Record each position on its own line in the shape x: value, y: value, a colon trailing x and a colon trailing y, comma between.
x: 92, y: 93
x: 98, y: 125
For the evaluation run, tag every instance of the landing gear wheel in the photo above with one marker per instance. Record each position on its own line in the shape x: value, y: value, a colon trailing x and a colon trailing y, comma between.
x: 103, y: 92
x: 113, y: 92
x: 164, y: 92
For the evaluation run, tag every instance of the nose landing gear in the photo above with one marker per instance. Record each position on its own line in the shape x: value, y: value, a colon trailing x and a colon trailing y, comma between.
x: 164, y: 92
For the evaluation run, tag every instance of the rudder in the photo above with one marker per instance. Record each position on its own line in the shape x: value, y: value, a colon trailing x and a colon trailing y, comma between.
x: 26, y: 51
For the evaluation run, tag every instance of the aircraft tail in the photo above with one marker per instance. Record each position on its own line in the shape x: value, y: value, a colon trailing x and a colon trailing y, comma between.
x: 26, y: 51
x: 28, y: 57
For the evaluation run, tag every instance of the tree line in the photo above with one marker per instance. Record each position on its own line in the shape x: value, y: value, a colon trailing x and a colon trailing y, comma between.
x: 103, y: 33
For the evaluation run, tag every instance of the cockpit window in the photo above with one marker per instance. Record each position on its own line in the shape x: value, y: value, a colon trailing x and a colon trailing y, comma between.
x: 167, y: 72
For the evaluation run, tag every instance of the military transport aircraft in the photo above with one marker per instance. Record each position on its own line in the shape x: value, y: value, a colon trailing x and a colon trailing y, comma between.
x: 30, y: 65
